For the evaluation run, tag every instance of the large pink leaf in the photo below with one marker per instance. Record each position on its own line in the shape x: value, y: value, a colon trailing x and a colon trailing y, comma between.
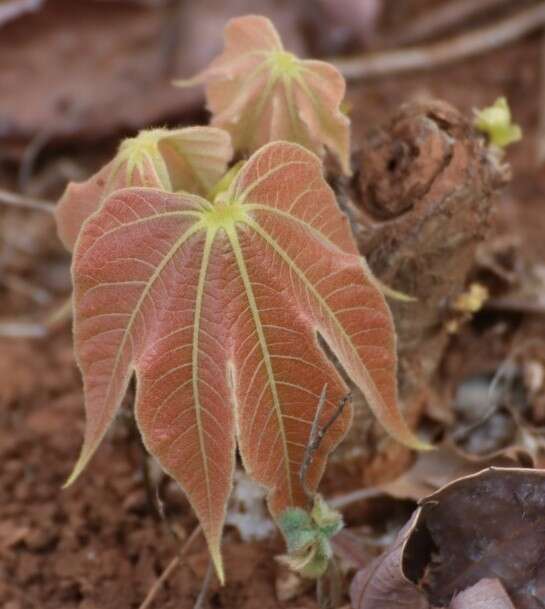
x: 216, y: 307
x: 260, y: 93
x: 191, y: 159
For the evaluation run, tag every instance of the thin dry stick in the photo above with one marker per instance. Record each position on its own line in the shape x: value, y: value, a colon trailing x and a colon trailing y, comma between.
x: 499, y: 387
x: 11, y: 198
x: 205, y: 586
x: 341, y: 501
x: 26, y: 288
x: 541, y: 127
x: 312, y: 439
x: 177, y: 560
x: 317, y: 435
x: 344, y: 401
x: 22, y: 329
x: 445, y: 17
x: 30, y: 156
x: 59, y: 315
x: 445, y: 52
x: 329, y: 587
x: 18, y: 328
x: 505, y: 374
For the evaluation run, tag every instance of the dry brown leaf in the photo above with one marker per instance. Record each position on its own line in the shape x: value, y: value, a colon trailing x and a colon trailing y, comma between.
x: 487, y: 594
x: 480, y: 528
x: 434, y: 469
x: 491, y: 524
x: 384, y: 584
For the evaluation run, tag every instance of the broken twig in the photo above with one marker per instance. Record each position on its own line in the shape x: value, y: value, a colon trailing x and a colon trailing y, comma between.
x: 317, y: 435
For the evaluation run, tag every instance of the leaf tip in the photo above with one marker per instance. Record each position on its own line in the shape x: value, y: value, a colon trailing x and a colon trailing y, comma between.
x: 199, y: 79
x: 78, y: 468
x: 416, y: 443
x: 87, y: 451
x: 217, y: 561
x: 400, y: 431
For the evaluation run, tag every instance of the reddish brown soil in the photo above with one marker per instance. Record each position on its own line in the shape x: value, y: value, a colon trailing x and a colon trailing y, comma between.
x: 98, y: 544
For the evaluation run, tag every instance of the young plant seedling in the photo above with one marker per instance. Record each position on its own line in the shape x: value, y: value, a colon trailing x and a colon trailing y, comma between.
x: 260, y: 92
x: 212, y: 287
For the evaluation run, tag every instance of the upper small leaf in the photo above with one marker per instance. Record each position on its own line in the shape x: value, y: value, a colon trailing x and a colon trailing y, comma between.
x: 191, y: 159
x: 217, y: 306
x: 260, y: 93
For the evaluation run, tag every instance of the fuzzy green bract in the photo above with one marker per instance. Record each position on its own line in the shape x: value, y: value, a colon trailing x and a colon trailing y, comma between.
x: 308, y: 537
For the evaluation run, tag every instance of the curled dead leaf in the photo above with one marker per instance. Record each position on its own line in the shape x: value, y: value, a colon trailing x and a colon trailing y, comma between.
x: 483, y: 534
x: 486, y: 594
x: 490, y: 524
x: 384, y: 583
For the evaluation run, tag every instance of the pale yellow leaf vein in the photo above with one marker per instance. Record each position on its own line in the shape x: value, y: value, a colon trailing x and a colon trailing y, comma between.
x: 145, y: 292
x: 311, y: 290
x: 233, y: 237
x: 210, y: 234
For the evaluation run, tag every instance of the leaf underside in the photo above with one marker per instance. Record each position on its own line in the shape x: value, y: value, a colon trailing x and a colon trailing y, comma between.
x: 216, y: 308
x: 260, y: 93
x: 191, y: 159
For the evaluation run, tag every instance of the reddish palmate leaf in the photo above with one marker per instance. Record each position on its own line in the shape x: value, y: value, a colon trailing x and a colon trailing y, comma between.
x: 191, y: 159
x: 216, y: 307
x: 259, y: 93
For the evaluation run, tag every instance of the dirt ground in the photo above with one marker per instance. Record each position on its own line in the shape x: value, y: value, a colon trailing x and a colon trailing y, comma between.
x: 99, y: 544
